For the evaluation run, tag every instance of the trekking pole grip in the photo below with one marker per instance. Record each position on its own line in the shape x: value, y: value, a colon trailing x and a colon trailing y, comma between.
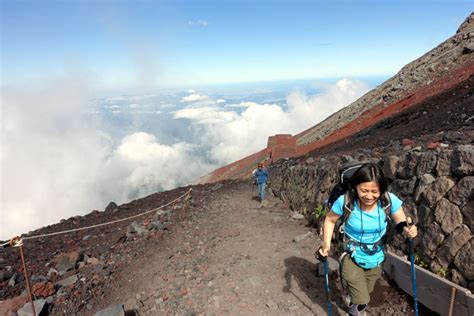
x: 320, y: 256
x: 411, y: 244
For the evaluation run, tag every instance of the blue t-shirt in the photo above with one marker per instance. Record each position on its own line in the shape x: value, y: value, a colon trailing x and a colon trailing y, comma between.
x: 366, y: 227
x: 261, y: 175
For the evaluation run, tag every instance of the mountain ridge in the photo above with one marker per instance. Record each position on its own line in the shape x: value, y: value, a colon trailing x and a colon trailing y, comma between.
x: 448, y: 64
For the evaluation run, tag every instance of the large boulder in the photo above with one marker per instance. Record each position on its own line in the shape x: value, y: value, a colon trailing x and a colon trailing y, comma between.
x: 403, y: 188
x: 463, y: 260
x: 67, y: 261
x: 111, y: 207
x: 443, y: 167
x: 437, y: 190
x: 425, y: 215
x: 462, y: 192
x: 423, y: 184
x: 463, y: 160
x: 432, y: 239
x: 448, y: 215
x: 468, y: 213
x: 452, y: 244
x: 427, y: 163
x: 407, y: 165
x: 390, y: 167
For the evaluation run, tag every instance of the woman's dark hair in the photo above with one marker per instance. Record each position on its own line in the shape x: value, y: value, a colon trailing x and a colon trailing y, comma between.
x: 366, y: 173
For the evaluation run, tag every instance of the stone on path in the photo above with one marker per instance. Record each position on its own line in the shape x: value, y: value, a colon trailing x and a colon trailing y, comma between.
x: 302, y: 236
x: 27, y: 311
x: 68, y: 281
x: 10, y: 306
x: 113, y: 310
x: 272, y: 305
x: 297, y: 216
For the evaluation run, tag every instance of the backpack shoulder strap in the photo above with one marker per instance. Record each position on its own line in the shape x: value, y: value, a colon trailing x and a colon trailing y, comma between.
x: 386, y: 204
x: 348, y: 207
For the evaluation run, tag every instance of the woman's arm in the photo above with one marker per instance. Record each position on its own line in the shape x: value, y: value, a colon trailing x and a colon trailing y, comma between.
x: 400, y: 220
x: 328, y: 229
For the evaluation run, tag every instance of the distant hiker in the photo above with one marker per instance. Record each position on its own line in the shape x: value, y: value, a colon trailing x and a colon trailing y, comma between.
x: 364, y: 231
x: 261, y: 177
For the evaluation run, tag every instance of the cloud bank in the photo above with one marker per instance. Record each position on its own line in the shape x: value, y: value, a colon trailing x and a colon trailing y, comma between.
x: 58, y: 161
x: 230, y: 134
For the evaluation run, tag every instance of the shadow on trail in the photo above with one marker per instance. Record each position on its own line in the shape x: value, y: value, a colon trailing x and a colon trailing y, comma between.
x: 305, y: 274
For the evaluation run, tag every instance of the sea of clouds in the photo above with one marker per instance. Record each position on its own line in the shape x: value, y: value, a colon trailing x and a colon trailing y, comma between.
x: 66, y: 152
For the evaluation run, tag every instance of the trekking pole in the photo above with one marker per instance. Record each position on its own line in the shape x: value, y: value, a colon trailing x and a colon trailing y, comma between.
x: 324, y: 260
x: 413, y: 272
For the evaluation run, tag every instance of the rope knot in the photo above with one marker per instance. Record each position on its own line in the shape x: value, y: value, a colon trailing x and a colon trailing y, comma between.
x: 16, y: 242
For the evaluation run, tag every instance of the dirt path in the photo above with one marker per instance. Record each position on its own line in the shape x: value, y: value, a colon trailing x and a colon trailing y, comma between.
x: 233, y: 258
x: 230, y: 258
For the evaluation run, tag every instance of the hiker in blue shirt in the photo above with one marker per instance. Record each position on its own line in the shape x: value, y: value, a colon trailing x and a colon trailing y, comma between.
x: 364, y: 232
x: 261, y: 178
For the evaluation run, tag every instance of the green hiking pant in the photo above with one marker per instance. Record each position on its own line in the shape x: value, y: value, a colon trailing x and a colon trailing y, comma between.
x: 360, y: 282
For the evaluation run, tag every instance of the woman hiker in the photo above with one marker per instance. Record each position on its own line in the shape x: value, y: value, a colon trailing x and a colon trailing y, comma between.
x: 261, y: 178
x: 364, y: 231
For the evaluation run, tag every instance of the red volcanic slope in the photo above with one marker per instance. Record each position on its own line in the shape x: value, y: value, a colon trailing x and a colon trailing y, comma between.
x: 284, y: 145
x: 278, y: 147
x: 378, y: 113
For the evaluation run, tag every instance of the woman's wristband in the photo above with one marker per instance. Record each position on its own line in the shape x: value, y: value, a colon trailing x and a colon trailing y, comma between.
x: 400, y: 226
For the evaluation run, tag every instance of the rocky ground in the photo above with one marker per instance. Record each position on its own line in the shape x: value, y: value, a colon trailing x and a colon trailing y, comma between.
x: 217, y: 253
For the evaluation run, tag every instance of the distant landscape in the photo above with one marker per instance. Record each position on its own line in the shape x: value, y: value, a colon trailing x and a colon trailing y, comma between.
x: 123, y: 147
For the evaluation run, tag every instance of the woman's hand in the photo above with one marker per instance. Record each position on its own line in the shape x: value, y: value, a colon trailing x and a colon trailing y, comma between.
x: 323, y: 251
x: 410, y: 231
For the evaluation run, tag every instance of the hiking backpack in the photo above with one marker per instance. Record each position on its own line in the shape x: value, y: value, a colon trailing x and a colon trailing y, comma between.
x: 342, y: 188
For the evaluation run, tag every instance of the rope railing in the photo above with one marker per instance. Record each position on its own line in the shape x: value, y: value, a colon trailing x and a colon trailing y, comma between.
x: 18, y: 241
x: 108, y: 223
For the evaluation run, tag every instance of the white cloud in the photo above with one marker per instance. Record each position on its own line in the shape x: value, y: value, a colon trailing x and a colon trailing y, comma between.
x: 140, y: 106
x: 201, y: 23
x: 57, y: 163
x: 193, y: 98
x: 206, y: 115
x: 147, y: 112
x: 148, y: 166
x: 220, y: 101
x: 241, y: 105
x: 112, y: 107
x: 247, y: 104
x: 129, y: 98
x: 230, y: 135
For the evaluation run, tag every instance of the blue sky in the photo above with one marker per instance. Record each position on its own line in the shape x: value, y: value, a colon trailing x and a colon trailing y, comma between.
x: 159, y: 43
